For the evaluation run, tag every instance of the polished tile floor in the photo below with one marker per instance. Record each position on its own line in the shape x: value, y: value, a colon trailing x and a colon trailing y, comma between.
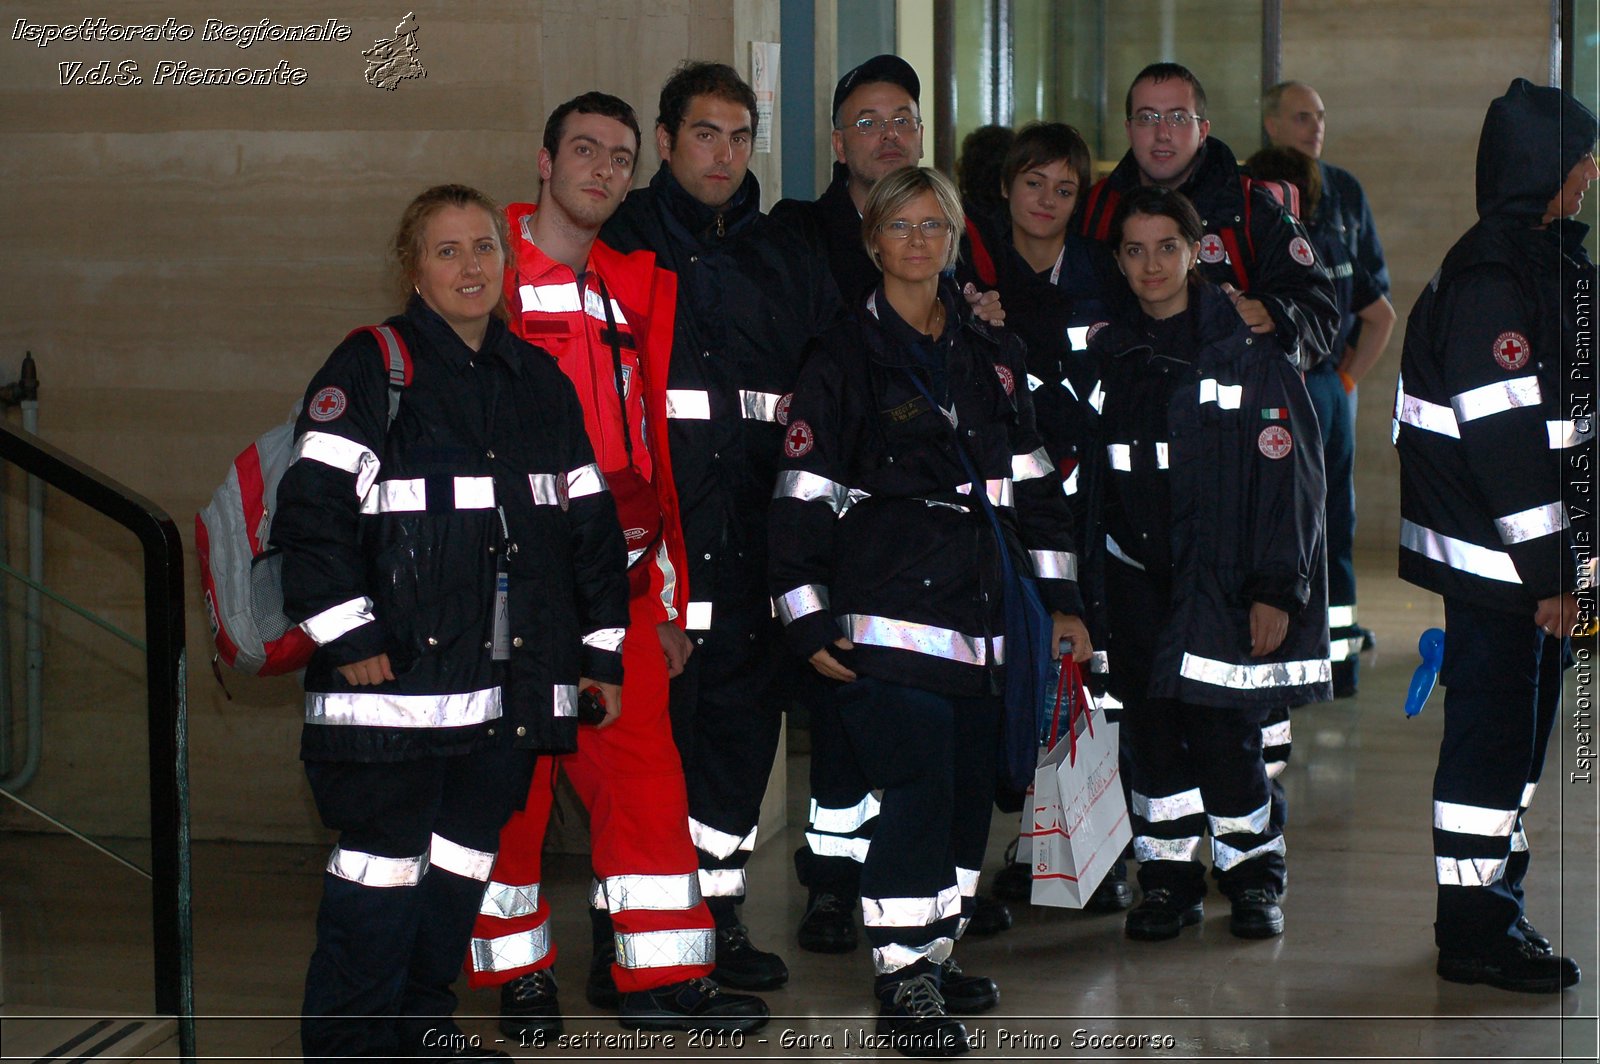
x: 1352, y: 978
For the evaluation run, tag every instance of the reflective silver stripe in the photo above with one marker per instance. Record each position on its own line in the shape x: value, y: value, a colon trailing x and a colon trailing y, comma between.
x: 1031, y: 466
x: 1255, y: 677
x: 340, y: 453
x: 843, y: 821
x: 1569, y: 433
x: 1034, y: 383
x: 1276, y: 734
x: 597, y: 895
x: 1275, y: 769
x: 373, y: 710
x: 545, y: 491
x: 370, y: 870
x: 474, y: 493
x: 1121, y: 457
x: 634, y: 556
x: 916, y: 638
x: 1146, y: 848
x: 605, y: 639
x: 666, y: 949
x: 967, y: 881
x: 721, y: 882
x: 595, y: 307
x: 1069, y: 486
x: 516, y: 950
x: 1519, y: 841
x: 1531, y: 523
x: 1226, y: 396
x: 887, y: 959
x: 1421, y: 414
x: 1458, y: 553
x: 688, y: 405
x: 1224, y: 857
x: 1121, y: 555
x: 1253, y: 823
x: 506, y: 901
x: 838, y: 846
x: 549, y: 298
x: 803, y: 600
x: 697, y: 616
x: 1527, y: 795
x: 1468, y: 871
x: 1097, y: 398
x: 564, y: 697
x: 1473, y: 819
x: 1341, y: 616
x: 998, y: 491
x: 335, y: 621
x: 1078, y: 336
x: 462, y: 860
x: 395, y: 496
x: 1339, y: 649
x: 911, y: 912
x: 1170, y: 807
x: 759, y: 406
x: 719, y: 844
x: 1163, y: 456
x: 652, y: 892
x: 1497, y: 398
x: 808, y: 487
x: 1054, y: 564
x: 585, y: 480
x: 669, y: 580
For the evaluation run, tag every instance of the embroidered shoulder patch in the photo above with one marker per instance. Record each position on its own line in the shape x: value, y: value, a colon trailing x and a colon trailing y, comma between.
x: 1300, y: 251
x: 781, y: 411
x: 1275, y: 441
x: 1212, y: 249
x: 327, y: 404
x: 799, y: 441
x: 1511, y: 350
x: 1007, y: 381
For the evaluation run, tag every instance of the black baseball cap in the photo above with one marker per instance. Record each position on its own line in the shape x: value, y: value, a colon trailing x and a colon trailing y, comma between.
x: 890, y: 68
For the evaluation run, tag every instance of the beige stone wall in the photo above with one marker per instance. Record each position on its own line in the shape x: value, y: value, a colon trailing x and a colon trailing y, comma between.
x: 1406, y: 87
x: 181, y: 258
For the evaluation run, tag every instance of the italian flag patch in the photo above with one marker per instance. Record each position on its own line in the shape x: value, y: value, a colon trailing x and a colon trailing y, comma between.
x: 1274, y: 413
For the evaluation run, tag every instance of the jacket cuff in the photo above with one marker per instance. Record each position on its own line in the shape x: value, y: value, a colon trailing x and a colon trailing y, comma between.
x: 1287, y: 593
x: 367, y: 641
x: 602, y: 665
x: 811, y: 633
x: 1062, y: 596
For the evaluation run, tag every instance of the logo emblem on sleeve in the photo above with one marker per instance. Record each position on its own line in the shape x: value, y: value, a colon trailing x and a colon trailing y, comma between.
x: 1300, y: 251
x: 799, y: 440
x: 1510, y: 350
x: 1094, y: 330
x: 327, y: 404
x: 1211, y: 249
x: 1275, y: 441
x: 1007, y: 381
x: 781, y: 412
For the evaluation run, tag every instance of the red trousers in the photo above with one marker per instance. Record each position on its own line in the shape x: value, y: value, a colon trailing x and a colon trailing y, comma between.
x: 629, y: 777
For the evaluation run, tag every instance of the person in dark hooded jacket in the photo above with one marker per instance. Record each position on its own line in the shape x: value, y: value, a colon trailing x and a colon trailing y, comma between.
x: 1493, y: 422
x: 1205, y: 488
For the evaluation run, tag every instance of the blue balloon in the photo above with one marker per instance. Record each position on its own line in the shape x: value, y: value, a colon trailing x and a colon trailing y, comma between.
x: 1431, y: 647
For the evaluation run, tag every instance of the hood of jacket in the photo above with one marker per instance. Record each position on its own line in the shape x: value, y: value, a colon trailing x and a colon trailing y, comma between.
x: 1532, y: 136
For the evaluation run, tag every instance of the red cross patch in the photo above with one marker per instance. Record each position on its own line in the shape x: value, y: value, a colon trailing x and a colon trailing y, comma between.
x: 1275, y: 441
x: 1093, y: 329
x: 799, y: 440
x: 1511, y: 350
x: 781, y: 411
x: 327, y: 404
x: 1212, y: 249
x: 1007, y: 381
x: 1300, y: 251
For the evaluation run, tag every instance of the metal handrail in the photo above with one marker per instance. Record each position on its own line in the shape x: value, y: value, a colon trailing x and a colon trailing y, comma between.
x: 166, y: 671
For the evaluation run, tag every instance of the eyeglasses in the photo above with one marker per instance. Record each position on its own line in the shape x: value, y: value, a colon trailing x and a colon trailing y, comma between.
x: 900, y: 229
x: 902, y: 125
x: 1175, y: 119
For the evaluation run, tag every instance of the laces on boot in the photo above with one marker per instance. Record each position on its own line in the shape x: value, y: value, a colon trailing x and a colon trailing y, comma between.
x: 828, y: 903
x: 534, y: 986
x: 919, y: 997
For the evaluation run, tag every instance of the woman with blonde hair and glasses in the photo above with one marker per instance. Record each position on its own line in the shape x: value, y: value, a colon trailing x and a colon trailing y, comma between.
x: 910, y: 452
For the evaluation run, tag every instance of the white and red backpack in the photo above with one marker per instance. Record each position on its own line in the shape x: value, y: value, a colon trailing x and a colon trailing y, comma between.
x: 241, y: 573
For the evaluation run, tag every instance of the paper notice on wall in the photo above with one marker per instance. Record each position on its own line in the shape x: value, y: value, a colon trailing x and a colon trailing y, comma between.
x: 764, y: 80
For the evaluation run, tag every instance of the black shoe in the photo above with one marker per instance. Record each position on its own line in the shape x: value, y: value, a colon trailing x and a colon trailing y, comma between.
x: 829, y: 925
x: 528, y: 1005
x: 965, y: 993
x: 911, y: 1013
x: 1344, y: 679
x: 600, y: 989
x: 990, y: 916
x: 692, y: 1005
x: 1161, y: 916
x: 1256, y: 914
x: 1014, y: 882
x: 1534, y: 938
x: 741, y: 965
x: 1369, y: 641
x: 1512, y: 964
x: 1113, y: 895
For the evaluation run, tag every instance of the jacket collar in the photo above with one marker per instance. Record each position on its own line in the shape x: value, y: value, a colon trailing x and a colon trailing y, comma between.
x: 699, y: 222
x: 444, y: 341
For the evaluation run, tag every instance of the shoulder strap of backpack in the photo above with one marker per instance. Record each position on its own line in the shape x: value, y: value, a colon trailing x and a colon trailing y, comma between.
x: 398, y: 356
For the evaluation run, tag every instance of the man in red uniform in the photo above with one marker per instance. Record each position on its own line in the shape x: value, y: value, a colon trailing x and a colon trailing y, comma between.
x: 607, y: 319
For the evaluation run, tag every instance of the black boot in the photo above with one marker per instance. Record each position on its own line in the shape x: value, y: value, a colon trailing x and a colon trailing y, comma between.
x: 1256, y: 914
x: 600, y: 989
x: 1511, y: 964
x: 911, y: 1012
x: 965, y: 994
x: 692, y: 1005
x: 990, y: 916
x: 1113, y: 895
x: 1535, y: 939
x: 1014, y: 882
x: 1161, y: 916
x: 528, y: 1006
x: 741, y: 965
x: 829, y: 925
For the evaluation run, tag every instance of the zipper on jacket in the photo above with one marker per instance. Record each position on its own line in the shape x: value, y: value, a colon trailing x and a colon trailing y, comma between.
x: 721, y: 228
